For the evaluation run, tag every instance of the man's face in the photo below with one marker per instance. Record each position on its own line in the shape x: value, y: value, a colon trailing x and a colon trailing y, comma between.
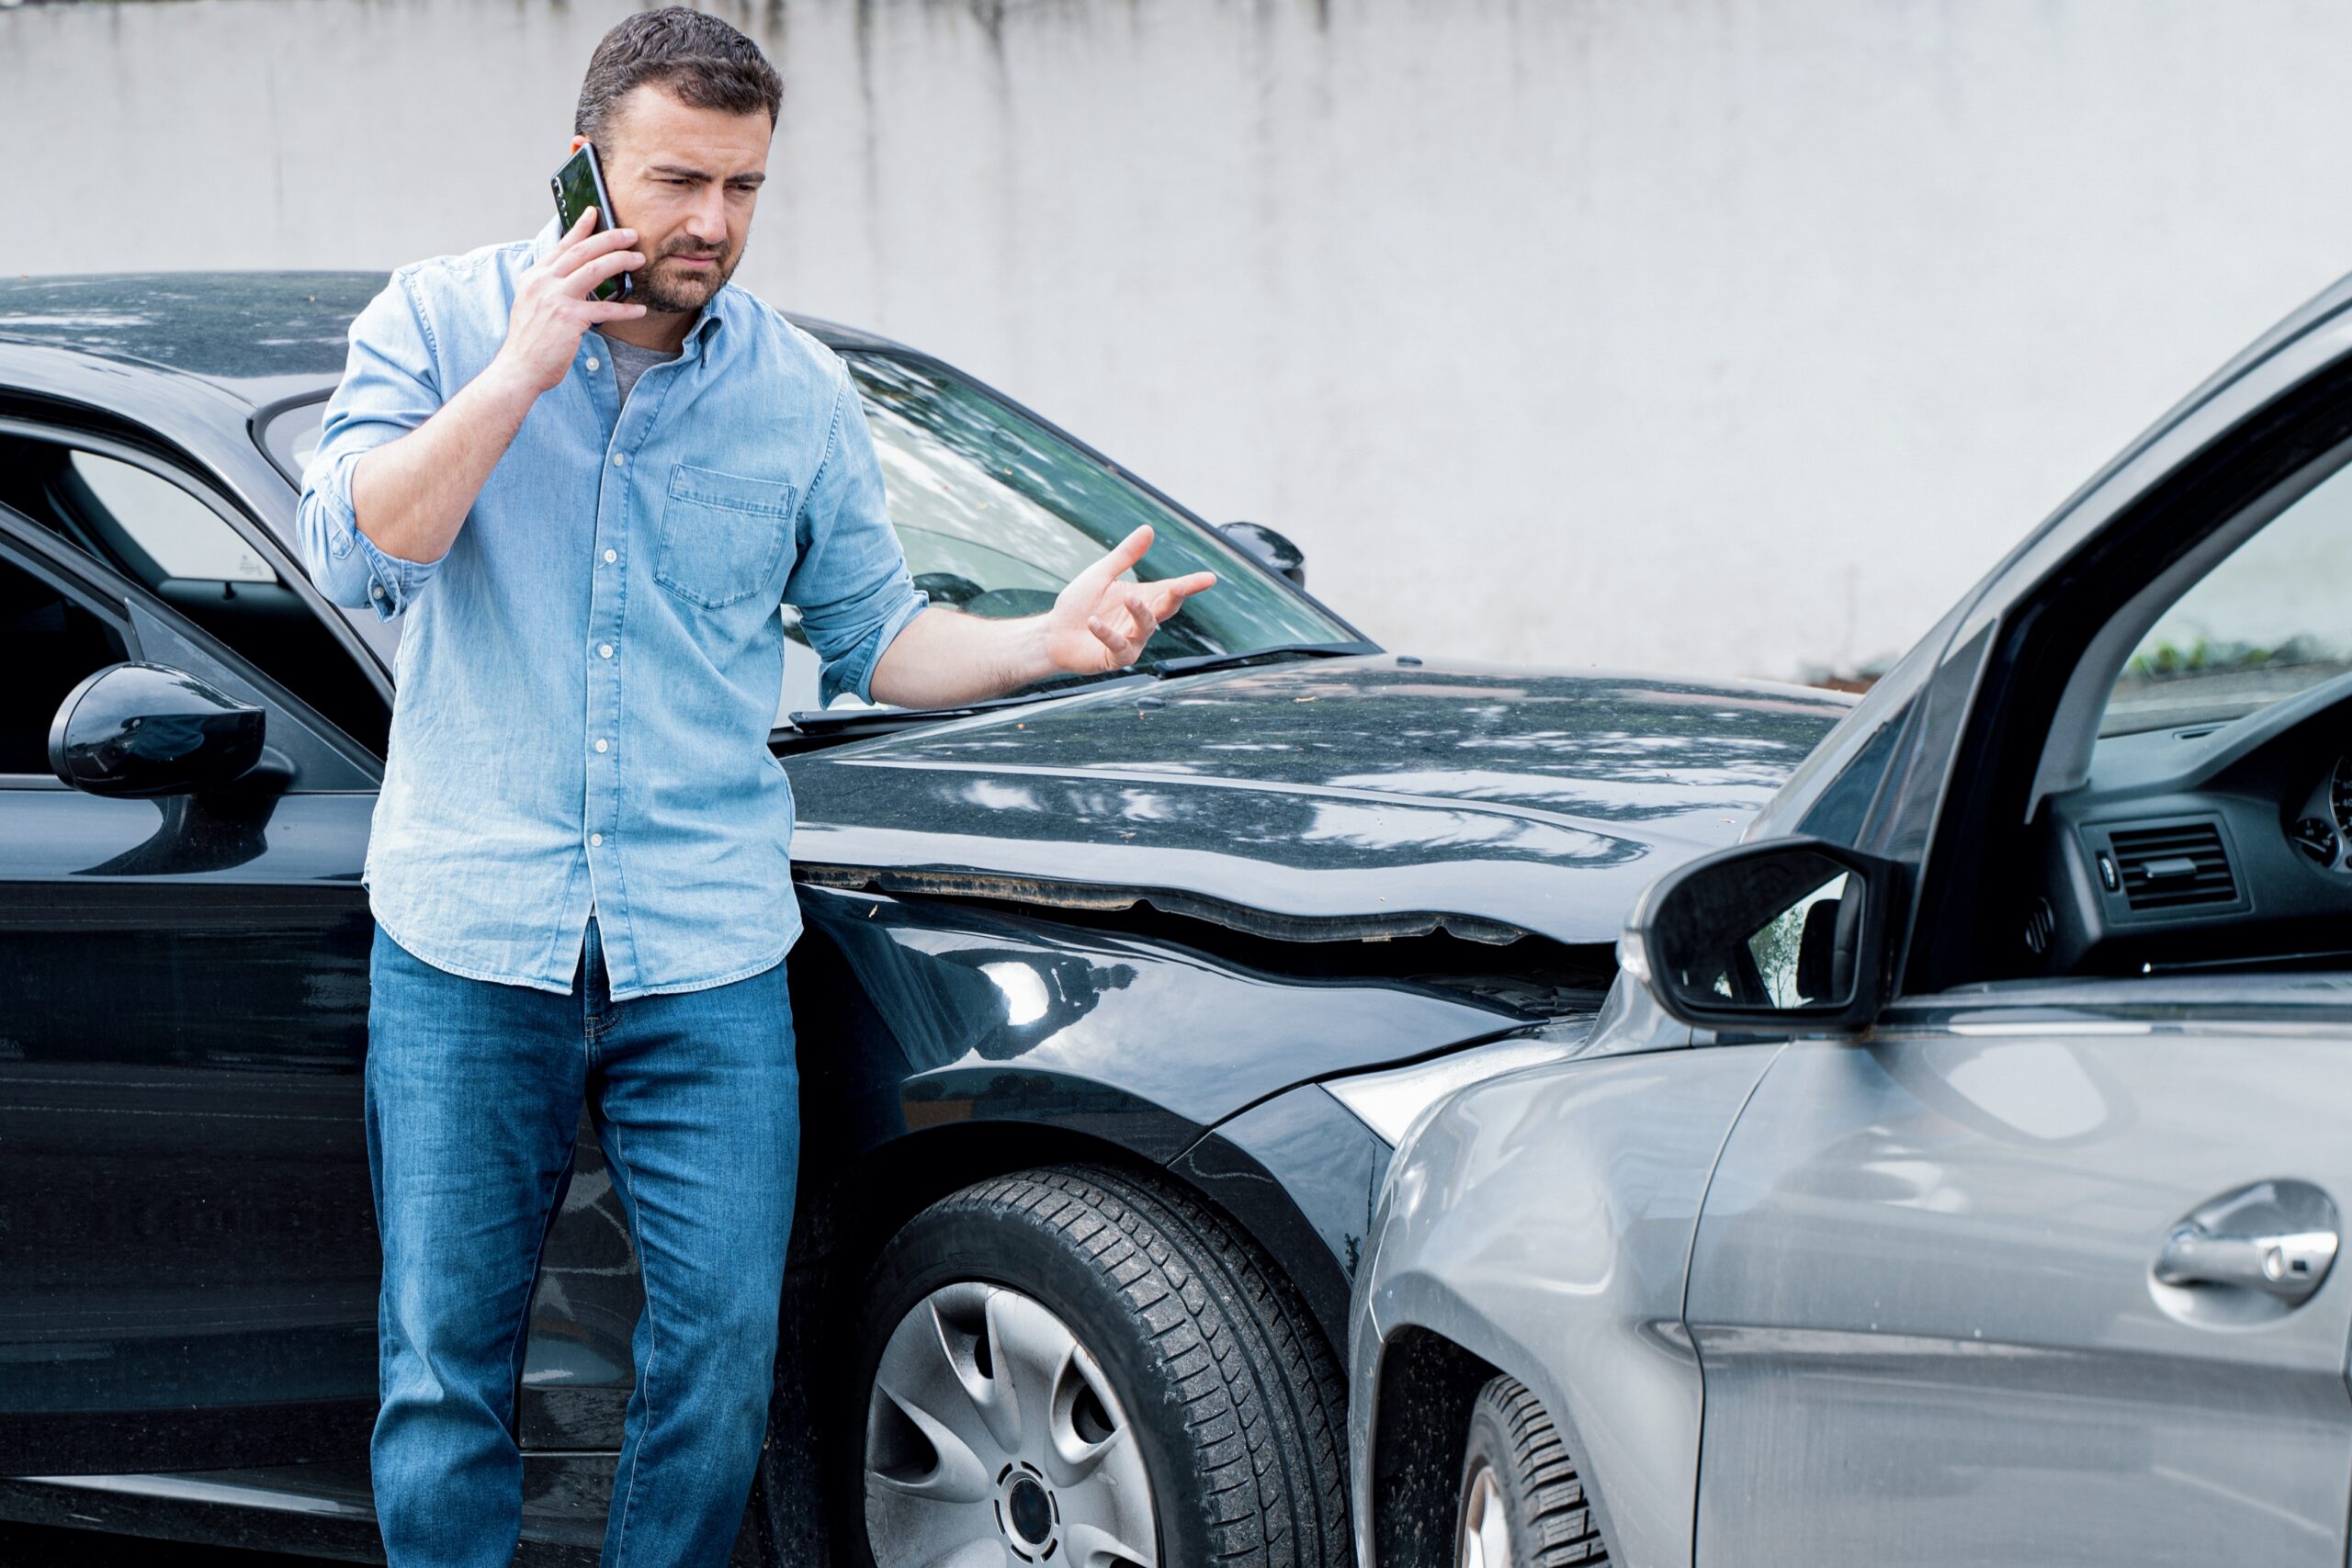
x: 685, y: 179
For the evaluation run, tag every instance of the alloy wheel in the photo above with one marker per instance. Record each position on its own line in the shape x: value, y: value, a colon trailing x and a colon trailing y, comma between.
x: 1485, y: 1540
x: 994, y: 1437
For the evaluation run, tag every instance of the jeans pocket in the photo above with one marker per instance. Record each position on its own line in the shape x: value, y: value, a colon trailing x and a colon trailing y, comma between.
x: 723, y: 536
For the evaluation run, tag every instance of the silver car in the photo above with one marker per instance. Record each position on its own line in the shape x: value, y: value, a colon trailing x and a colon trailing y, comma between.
x: 1954, y: 1173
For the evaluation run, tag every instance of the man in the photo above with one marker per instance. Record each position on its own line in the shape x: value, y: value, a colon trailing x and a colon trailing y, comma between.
x: 590, y: 512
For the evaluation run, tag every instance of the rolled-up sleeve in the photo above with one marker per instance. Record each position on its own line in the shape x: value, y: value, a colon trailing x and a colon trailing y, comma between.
x: 850, y: 580
x: 391, y: 385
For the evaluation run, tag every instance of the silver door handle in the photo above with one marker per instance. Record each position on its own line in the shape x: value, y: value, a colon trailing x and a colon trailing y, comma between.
x: 2289, y: 1265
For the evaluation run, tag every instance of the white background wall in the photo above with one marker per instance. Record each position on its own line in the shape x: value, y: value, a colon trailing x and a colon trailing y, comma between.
x: 1694, y: 334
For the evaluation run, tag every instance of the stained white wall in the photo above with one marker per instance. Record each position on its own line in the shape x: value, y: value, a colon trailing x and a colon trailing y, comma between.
x: 1694, y: 334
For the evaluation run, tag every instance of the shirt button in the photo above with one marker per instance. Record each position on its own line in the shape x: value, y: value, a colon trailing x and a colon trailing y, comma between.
x: 604, y: 745
x: 606, y: 649
x: 376, y: 591
x: 612, y: 555
x: 620, y: 459
x: 595, y: 838
x: 592, y: 362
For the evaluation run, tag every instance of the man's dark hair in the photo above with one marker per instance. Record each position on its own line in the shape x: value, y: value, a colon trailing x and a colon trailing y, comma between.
x: 704, y: 62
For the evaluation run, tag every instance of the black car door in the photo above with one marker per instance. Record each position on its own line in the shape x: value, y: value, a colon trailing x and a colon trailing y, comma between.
x: 188, y: 1251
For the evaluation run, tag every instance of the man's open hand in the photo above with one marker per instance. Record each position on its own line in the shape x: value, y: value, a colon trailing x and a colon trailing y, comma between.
x: 1100, y: 623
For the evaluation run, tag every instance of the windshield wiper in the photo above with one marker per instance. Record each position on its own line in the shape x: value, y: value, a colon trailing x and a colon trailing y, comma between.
x: 861, y: 721
x: 840, y: 724
x: 1193, y: 663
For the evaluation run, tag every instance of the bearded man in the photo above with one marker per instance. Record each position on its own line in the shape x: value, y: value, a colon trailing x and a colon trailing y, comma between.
x: 590, y: 511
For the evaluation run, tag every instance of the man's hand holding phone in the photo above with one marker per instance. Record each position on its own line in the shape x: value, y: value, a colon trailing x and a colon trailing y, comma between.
x: 411, y: 495
x: 552, y: 308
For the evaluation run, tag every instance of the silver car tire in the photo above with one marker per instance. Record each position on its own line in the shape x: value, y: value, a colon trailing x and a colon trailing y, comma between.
x: 1522, y: 1504
x: 1083, y: 1365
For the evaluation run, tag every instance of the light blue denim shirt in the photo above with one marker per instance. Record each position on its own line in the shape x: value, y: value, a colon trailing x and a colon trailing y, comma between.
x: 586, y: 680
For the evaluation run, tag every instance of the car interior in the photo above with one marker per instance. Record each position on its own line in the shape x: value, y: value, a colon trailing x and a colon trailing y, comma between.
x: 53, y: 643
x: 2201, y: 820
x: 162, y: 535
x: 2189, y: 804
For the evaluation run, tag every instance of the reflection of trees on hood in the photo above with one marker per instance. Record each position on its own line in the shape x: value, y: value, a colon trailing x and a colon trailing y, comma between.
x: 262, y: 324
x: 1604, y: 749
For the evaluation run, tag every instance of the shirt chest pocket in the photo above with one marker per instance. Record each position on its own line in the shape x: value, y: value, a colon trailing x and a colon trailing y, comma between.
x: 723, y: 536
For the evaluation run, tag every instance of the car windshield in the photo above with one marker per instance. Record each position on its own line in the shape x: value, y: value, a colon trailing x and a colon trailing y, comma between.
x: 995, y: 514
x: 2265, y: 623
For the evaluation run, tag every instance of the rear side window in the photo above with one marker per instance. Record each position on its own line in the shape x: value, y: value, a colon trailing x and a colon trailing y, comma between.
x: 290, y: 437
x: 182, y: 535
x: 162, y: 533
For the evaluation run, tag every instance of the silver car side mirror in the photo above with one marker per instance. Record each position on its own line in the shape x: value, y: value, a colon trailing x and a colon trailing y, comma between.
x: 1788, y: 932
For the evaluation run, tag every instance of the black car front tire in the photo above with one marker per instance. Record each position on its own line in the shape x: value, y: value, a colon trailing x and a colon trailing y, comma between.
x: 1205, y: 1354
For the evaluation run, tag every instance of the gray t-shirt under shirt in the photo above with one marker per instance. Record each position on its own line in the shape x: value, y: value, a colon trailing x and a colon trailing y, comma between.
x: 628, y: 362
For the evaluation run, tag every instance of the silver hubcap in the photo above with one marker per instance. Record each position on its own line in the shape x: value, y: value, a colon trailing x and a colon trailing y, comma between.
x: 1486, y: 1525
x: 993, y: 1439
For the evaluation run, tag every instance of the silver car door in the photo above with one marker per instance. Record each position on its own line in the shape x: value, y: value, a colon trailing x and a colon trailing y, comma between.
x: 2041, y: 1277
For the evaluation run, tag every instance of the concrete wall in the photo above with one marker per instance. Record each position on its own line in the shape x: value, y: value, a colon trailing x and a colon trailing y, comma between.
x: 1694, y: 334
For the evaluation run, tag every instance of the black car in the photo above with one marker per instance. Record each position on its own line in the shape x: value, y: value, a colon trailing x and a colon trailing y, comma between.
x: 1113, y: 996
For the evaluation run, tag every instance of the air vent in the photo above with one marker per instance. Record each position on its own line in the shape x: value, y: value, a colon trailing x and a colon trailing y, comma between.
x: 2174, y: 868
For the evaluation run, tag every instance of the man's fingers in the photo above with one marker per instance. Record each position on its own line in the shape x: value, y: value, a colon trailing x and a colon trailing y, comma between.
x: 585, y: 278
x: 1139, y: 613
x: 1111, y: 638
x: 1168, y: 597
x: 1128, y: 551
x: 613, y: 311
x: 568, y: 257
x: 592, y: 267
x: 1087, y: 586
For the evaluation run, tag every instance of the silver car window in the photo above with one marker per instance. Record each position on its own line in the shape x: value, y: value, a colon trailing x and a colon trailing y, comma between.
x: 2270, y: 619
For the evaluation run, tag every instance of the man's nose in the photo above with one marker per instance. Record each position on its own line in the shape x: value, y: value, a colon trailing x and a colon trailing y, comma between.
x: 708, y: 221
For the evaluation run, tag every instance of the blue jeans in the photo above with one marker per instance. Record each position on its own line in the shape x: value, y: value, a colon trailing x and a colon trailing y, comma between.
x: 474, y: 1091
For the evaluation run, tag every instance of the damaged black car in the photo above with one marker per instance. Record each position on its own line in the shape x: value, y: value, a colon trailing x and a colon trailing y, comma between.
x: 1113, y: 998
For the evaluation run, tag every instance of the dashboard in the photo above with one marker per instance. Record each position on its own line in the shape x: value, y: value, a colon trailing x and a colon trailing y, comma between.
x: 2325, y: 825
x: 2209, y: 846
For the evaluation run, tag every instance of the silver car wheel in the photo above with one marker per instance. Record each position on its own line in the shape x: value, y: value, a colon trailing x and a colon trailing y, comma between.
x: 1486, y: 1524
x: 992, y: 1438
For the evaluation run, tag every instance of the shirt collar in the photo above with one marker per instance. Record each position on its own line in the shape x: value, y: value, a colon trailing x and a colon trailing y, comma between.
x: 707, y: 319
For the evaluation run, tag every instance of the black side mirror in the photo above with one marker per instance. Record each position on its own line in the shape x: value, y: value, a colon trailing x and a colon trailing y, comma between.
x: 1276, y: 551
x: 1789, y: 932
x: 149, y: 730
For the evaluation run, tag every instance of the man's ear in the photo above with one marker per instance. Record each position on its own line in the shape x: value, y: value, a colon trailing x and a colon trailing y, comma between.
x: 578, y: 142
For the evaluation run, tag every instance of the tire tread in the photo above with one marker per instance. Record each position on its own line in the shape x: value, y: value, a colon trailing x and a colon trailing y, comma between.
x: 1560, y: 1528
x: 1258, y: 1389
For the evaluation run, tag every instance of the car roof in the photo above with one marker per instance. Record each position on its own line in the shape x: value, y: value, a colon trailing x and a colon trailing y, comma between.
x: 259, y: 335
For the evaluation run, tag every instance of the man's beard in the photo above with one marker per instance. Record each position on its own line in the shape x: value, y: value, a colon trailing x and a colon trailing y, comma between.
x: 679, y: 293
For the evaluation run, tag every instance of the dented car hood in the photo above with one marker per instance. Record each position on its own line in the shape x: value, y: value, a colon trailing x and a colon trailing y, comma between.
x: 1333, y: 799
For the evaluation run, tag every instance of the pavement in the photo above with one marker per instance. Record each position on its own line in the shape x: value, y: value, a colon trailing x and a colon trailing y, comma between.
x: 32, y: 1545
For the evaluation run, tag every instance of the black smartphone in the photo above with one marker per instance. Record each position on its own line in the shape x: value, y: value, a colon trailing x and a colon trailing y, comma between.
x: 578, y: 185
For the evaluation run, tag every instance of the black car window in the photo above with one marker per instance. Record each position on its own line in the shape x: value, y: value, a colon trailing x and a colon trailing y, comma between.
x: 291, y: 435
x: 161, y: 535
x: 49, y: 644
